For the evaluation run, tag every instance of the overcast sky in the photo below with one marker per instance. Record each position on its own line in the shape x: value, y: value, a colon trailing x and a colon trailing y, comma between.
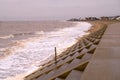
x: 56, y: 9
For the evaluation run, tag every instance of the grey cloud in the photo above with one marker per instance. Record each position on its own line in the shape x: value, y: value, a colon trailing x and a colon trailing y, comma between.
x: 56, y: 9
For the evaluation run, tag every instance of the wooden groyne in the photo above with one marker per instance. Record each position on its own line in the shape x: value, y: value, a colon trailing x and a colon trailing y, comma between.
x: 72, y: 64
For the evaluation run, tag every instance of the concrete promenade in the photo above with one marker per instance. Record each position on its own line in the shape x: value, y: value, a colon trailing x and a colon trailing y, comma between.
x: 105, y: 62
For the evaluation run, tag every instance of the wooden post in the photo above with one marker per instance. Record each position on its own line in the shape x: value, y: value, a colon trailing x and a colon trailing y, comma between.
x: 55, y: 55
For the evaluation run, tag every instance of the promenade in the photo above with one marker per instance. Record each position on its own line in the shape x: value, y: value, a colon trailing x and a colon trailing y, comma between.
x: 105, y: 63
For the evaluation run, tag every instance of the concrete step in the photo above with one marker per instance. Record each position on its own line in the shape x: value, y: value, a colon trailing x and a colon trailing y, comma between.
x: 74, y: 75
x: 59, y: 79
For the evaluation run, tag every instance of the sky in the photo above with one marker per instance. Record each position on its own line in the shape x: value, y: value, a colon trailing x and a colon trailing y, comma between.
x: 56, y: 9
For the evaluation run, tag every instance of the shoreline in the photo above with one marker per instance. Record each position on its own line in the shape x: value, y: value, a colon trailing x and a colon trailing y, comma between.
x: 96, y: 26
x: 92, y: 29
x: 69, y: 48
x: 69, y: 41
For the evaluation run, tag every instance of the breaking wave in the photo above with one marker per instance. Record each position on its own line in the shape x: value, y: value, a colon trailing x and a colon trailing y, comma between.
x: 21, y: 34
x: 6, y: 37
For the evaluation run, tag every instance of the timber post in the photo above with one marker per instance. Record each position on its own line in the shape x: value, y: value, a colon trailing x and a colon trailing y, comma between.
x: 55, y: 55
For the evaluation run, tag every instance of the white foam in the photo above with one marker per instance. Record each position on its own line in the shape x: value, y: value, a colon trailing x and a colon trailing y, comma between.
x: 39, y: 32
x: 7, y: 36
x: 37, y: 50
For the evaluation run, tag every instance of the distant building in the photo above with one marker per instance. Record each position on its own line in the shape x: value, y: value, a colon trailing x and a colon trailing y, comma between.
x: 110, y: 18
x: 74, y: 19
x: 113, y: 17
x: 95, y: 18
x: 105, y: 18
x: 91, y: 18
x: 117, y: 18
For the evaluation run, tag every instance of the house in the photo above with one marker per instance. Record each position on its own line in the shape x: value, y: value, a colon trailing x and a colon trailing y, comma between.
x: 91, y: 18
x: 105, y: 18
x: 117, y: 17
x: 73, y: 19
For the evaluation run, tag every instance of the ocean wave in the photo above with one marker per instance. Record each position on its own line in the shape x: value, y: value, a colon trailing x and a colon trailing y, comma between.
x: 22, y: 34
x: 5, y: 52
x: 30, y: 33
x: 7, y: 36
x: 17, y: 46
x: 39, y: 32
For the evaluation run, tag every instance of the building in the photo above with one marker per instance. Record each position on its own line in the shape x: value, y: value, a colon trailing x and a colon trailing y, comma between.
x: 91, y: 18
x: 74, y: 19
x: 105, y: 18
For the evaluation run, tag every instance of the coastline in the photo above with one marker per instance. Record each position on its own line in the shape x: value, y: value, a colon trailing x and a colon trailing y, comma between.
x: 67, y: 51
x: 96, y: 27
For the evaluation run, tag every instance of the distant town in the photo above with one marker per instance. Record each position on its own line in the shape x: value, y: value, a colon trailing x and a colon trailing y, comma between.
x: 96, y: 18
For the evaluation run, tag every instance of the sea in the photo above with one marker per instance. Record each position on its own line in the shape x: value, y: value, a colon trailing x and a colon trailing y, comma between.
x: 26, y: 45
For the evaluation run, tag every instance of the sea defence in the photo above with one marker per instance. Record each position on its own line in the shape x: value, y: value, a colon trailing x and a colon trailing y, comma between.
x: 93, y: 57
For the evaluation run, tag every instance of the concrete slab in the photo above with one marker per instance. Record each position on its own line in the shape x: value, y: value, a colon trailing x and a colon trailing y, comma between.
x: 109, y: 36
x: 74, y: 75
x: 105, y: 63
x: 109, y: 43
x: 107, y: 69
x: 107, y: 53
x: 113, y: 29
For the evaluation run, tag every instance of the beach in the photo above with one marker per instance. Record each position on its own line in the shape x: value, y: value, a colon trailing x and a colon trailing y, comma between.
x: 24, y: 49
